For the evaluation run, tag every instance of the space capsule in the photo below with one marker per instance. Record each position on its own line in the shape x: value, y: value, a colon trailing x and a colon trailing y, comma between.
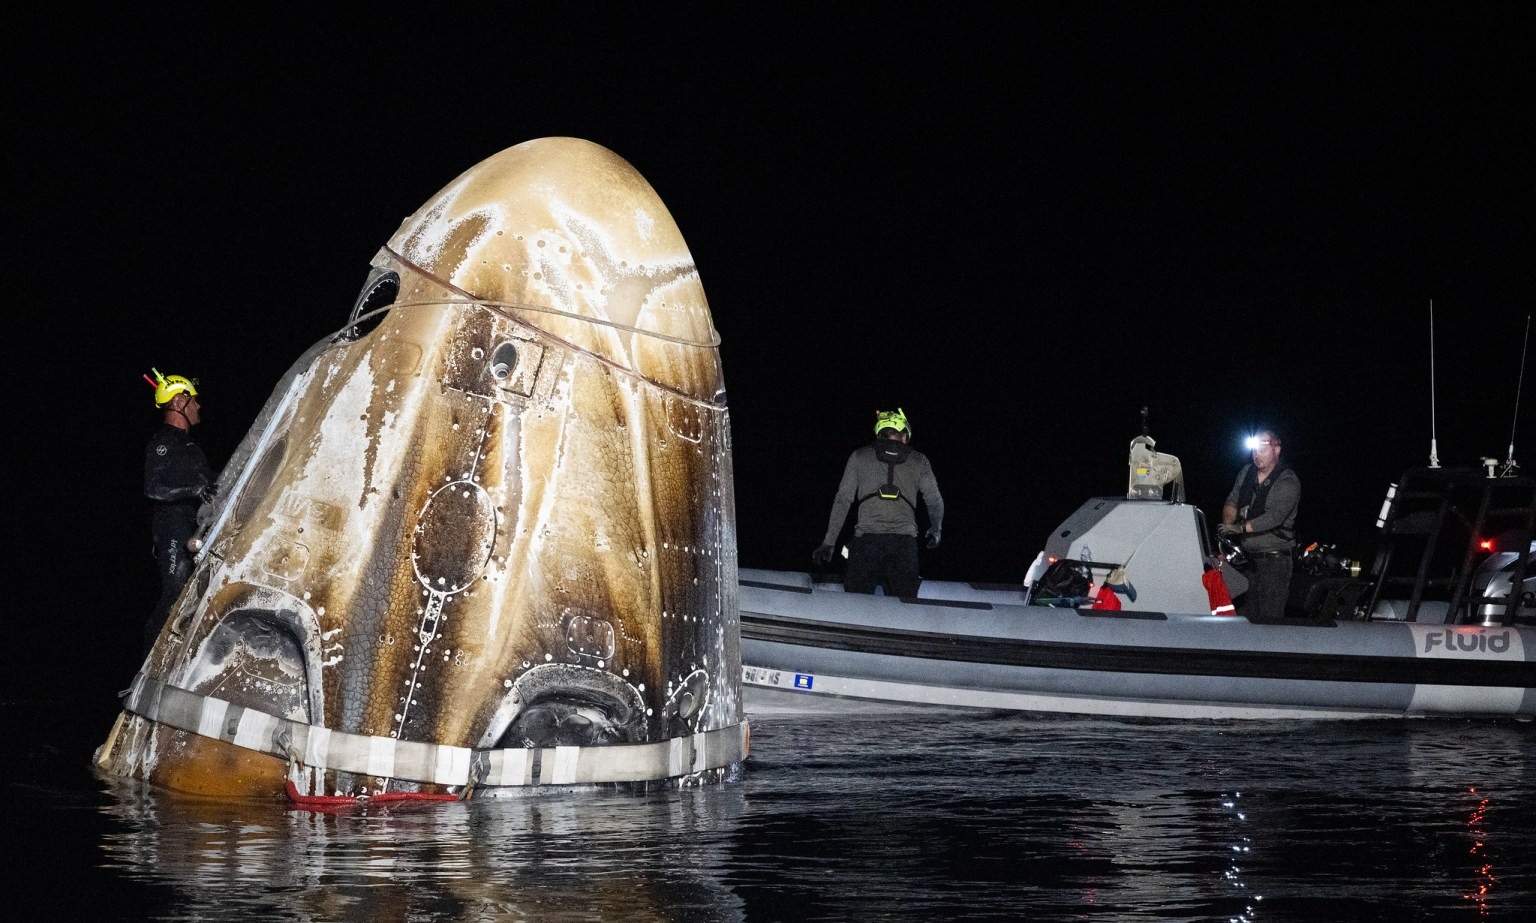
x: 482, y: 538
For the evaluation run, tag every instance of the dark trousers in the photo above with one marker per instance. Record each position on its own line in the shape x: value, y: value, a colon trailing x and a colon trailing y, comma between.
x: 1269, y: 586
x: 174, y: 563
x: 888, y: 560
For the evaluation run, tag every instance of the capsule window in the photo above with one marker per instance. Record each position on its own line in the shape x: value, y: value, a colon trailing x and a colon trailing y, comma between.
x: 379, y: 292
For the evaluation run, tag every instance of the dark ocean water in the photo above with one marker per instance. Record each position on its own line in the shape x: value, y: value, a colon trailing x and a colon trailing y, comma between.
x: 933, y: 816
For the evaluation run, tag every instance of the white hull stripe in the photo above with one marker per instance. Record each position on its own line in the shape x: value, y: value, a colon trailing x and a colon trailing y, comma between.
x: 323, y: 749
x: 828, y: 688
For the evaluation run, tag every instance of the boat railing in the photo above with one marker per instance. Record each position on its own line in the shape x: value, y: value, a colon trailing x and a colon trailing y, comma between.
x: 1436, y: 526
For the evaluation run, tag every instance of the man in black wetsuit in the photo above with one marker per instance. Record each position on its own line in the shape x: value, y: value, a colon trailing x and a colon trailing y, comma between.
x: 177, y: 479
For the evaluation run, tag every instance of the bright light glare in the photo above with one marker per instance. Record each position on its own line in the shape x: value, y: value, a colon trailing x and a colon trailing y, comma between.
x: 1252, y: 442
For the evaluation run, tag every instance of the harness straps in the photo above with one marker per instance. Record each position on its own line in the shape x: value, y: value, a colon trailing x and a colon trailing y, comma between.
x: 889, y: 490
x: 1253, y: 496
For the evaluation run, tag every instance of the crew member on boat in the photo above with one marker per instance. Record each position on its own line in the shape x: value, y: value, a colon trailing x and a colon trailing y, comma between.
x: 1260, y: 514
x: 886, y: 480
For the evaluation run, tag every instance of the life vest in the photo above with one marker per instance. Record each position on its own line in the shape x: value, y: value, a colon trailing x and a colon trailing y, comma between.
x: 1252, y: 496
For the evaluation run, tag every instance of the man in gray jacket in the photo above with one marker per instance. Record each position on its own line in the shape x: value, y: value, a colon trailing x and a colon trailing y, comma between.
x: 885, y: 480
x: 1260, y: 514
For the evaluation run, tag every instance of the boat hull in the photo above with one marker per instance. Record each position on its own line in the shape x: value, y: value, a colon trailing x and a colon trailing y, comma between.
x: 811, y: 646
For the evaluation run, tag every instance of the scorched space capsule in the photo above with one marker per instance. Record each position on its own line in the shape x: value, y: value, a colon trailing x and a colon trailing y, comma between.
x: 481, y: 539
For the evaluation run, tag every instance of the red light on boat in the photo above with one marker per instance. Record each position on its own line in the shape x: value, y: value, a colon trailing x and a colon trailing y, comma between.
x: 1485, y: 544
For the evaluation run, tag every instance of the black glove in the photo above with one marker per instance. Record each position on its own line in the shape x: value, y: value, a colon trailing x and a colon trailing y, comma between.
x: 1229, y: 528
x: 822, y: 555
x: 933, y: 538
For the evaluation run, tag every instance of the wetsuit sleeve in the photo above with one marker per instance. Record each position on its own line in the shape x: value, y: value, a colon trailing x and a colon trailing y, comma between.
x: 179, y: 472
x: 847, y: 490
x: 1279, y: 506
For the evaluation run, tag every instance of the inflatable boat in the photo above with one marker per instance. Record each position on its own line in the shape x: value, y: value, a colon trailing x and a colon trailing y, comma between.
x: 1442, y: 623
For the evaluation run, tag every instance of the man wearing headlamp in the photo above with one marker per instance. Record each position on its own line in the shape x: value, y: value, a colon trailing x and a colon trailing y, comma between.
x: 1260, y: 515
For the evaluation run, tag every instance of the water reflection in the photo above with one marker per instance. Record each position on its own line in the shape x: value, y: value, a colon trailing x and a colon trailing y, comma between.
x: 1484, y: 801
x: 987, y: 816
x: 563, y: 856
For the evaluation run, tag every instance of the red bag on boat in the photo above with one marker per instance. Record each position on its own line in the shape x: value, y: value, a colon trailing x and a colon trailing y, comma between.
x: 1216, y: 588
x: 1106, y: 599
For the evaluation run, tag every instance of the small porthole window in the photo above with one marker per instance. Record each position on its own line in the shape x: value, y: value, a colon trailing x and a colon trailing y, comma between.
x: 503, y: 361
x: 379, y: 292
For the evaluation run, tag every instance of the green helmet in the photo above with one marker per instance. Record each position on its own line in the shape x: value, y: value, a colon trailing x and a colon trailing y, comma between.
x: 168, y: 386
x: 892, y: 419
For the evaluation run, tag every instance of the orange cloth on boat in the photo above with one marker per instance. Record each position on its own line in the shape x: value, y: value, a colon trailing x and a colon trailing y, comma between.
x: 1105, y: 598
x: 1216, y: 588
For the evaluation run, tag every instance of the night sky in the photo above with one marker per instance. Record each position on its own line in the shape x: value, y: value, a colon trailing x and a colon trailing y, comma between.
x: 1020, y: 227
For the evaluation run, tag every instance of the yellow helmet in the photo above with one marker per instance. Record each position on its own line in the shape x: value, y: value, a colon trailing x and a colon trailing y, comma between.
x: 168, y: 386
x: 892, y: 419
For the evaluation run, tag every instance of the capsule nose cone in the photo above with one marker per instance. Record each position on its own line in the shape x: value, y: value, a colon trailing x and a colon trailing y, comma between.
x: 570, y: 238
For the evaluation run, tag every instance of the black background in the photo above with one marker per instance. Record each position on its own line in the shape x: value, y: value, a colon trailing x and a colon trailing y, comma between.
x: 1022, y: 227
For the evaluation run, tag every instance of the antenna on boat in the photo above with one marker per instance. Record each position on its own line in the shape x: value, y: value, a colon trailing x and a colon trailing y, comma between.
x: 1434, y: 454
x: 1509, y: 463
